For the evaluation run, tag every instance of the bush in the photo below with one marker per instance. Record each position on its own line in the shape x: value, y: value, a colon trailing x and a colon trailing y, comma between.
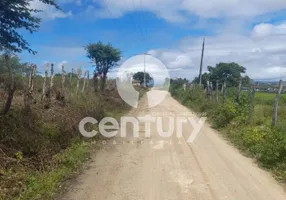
x: 253, y: 135
x: 259, y: 139
x: 224, y: 114
x: 272, y: 150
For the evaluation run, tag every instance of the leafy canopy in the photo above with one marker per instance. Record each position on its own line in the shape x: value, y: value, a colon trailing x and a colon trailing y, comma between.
x: 139, y: 76
x: 15, y: 15
x: 229, y: 72
x: 105, y: 57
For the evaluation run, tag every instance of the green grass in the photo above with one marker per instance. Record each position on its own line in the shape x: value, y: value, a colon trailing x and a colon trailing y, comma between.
x: 268, y: 98
x: 44, y: 185
x: 258, y: 139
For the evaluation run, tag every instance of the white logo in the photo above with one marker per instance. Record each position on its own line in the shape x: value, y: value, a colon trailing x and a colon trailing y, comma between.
x: 147, y: 64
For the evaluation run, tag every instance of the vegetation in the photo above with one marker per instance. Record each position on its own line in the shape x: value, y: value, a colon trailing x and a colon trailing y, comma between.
x: 41, y: 146
x: 16, y: 15
x: 258, y: 138
x: 265, y: 98
x: 224, y: 72
x: 139, y: 76
x: 105, y: 57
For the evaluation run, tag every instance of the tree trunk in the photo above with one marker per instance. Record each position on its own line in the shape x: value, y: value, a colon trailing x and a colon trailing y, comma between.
x: 103, y: 82
x: 95, y: 81
x: 251, y: 104
x: 11, y: 87
x: 275, y: 109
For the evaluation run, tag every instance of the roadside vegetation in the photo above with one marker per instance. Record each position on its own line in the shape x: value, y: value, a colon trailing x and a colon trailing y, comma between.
x: 40, y: 144
x: 250, y: 128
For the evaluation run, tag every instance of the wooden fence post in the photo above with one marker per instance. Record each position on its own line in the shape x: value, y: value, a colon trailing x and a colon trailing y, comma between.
x: 252, y: 95
x: 223, y: 92
x: 87, y: 81
x: 61, y: 93
x: 84, y: 81
x: 29, y: 93
x: 63, y: 77
x: 45, y: 82
x: 216, y: 91
x: 239, y: 89
x: 275, y: 109
x: 52, y: 76
x: 78, y: 79
x: 71, y: 74
x: 211, y: 89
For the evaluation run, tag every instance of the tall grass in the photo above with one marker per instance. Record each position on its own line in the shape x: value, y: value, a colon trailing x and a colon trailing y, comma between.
x: 258, y: 139
x: 40, y: 147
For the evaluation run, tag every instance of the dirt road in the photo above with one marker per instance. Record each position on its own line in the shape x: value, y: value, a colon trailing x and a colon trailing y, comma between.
x: 171, y: 169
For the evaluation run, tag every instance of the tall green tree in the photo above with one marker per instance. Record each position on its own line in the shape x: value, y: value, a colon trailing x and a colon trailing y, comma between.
x: 229, y: 72
x: 105, y: 57
x: 16, y: 15
x: 139, y: 76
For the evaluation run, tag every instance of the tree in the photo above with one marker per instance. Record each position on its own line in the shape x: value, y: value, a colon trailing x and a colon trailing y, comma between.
x: 246, y: 81
x: 139, y: 76
x: 105, y: 57
x: 17, y: 67
x: 10, y: 84
x: 205, y: 78
x: 229, y: 72
x: 15, y: 15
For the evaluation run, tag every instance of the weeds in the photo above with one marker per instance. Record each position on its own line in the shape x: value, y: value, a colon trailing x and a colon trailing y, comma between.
x: 259, y: 139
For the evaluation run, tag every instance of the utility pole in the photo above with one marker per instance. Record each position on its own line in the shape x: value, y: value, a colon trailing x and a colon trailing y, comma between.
x: 144, y: 69
x: 202, y: 58
x: 145, y: 84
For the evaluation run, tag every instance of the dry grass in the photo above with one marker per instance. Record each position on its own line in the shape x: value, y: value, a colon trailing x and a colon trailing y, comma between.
x: 38, y: 148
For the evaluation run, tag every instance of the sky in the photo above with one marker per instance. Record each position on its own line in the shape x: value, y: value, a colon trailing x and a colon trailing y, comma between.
x: 249, y: 32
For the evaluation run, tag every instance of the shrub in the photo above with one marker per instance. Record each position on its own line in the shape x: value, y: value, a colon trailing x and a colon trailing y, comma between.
x: 272, y: 150
x: 224, y: 114
x: 253, y: 135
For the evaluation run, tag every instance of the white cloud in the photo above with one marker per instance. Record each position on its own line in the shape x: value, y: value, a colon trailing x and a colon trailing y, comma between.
x: 264, y: 30
x: 62, y: 63
x: 264, y: 58
x: 175, y: 10
x: 70, y: 57
x: 48, y: 12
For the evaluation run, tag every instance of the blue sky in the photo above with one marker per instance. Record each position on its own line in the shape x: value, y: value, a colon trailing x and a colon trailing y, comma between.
x: 243, y: 31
